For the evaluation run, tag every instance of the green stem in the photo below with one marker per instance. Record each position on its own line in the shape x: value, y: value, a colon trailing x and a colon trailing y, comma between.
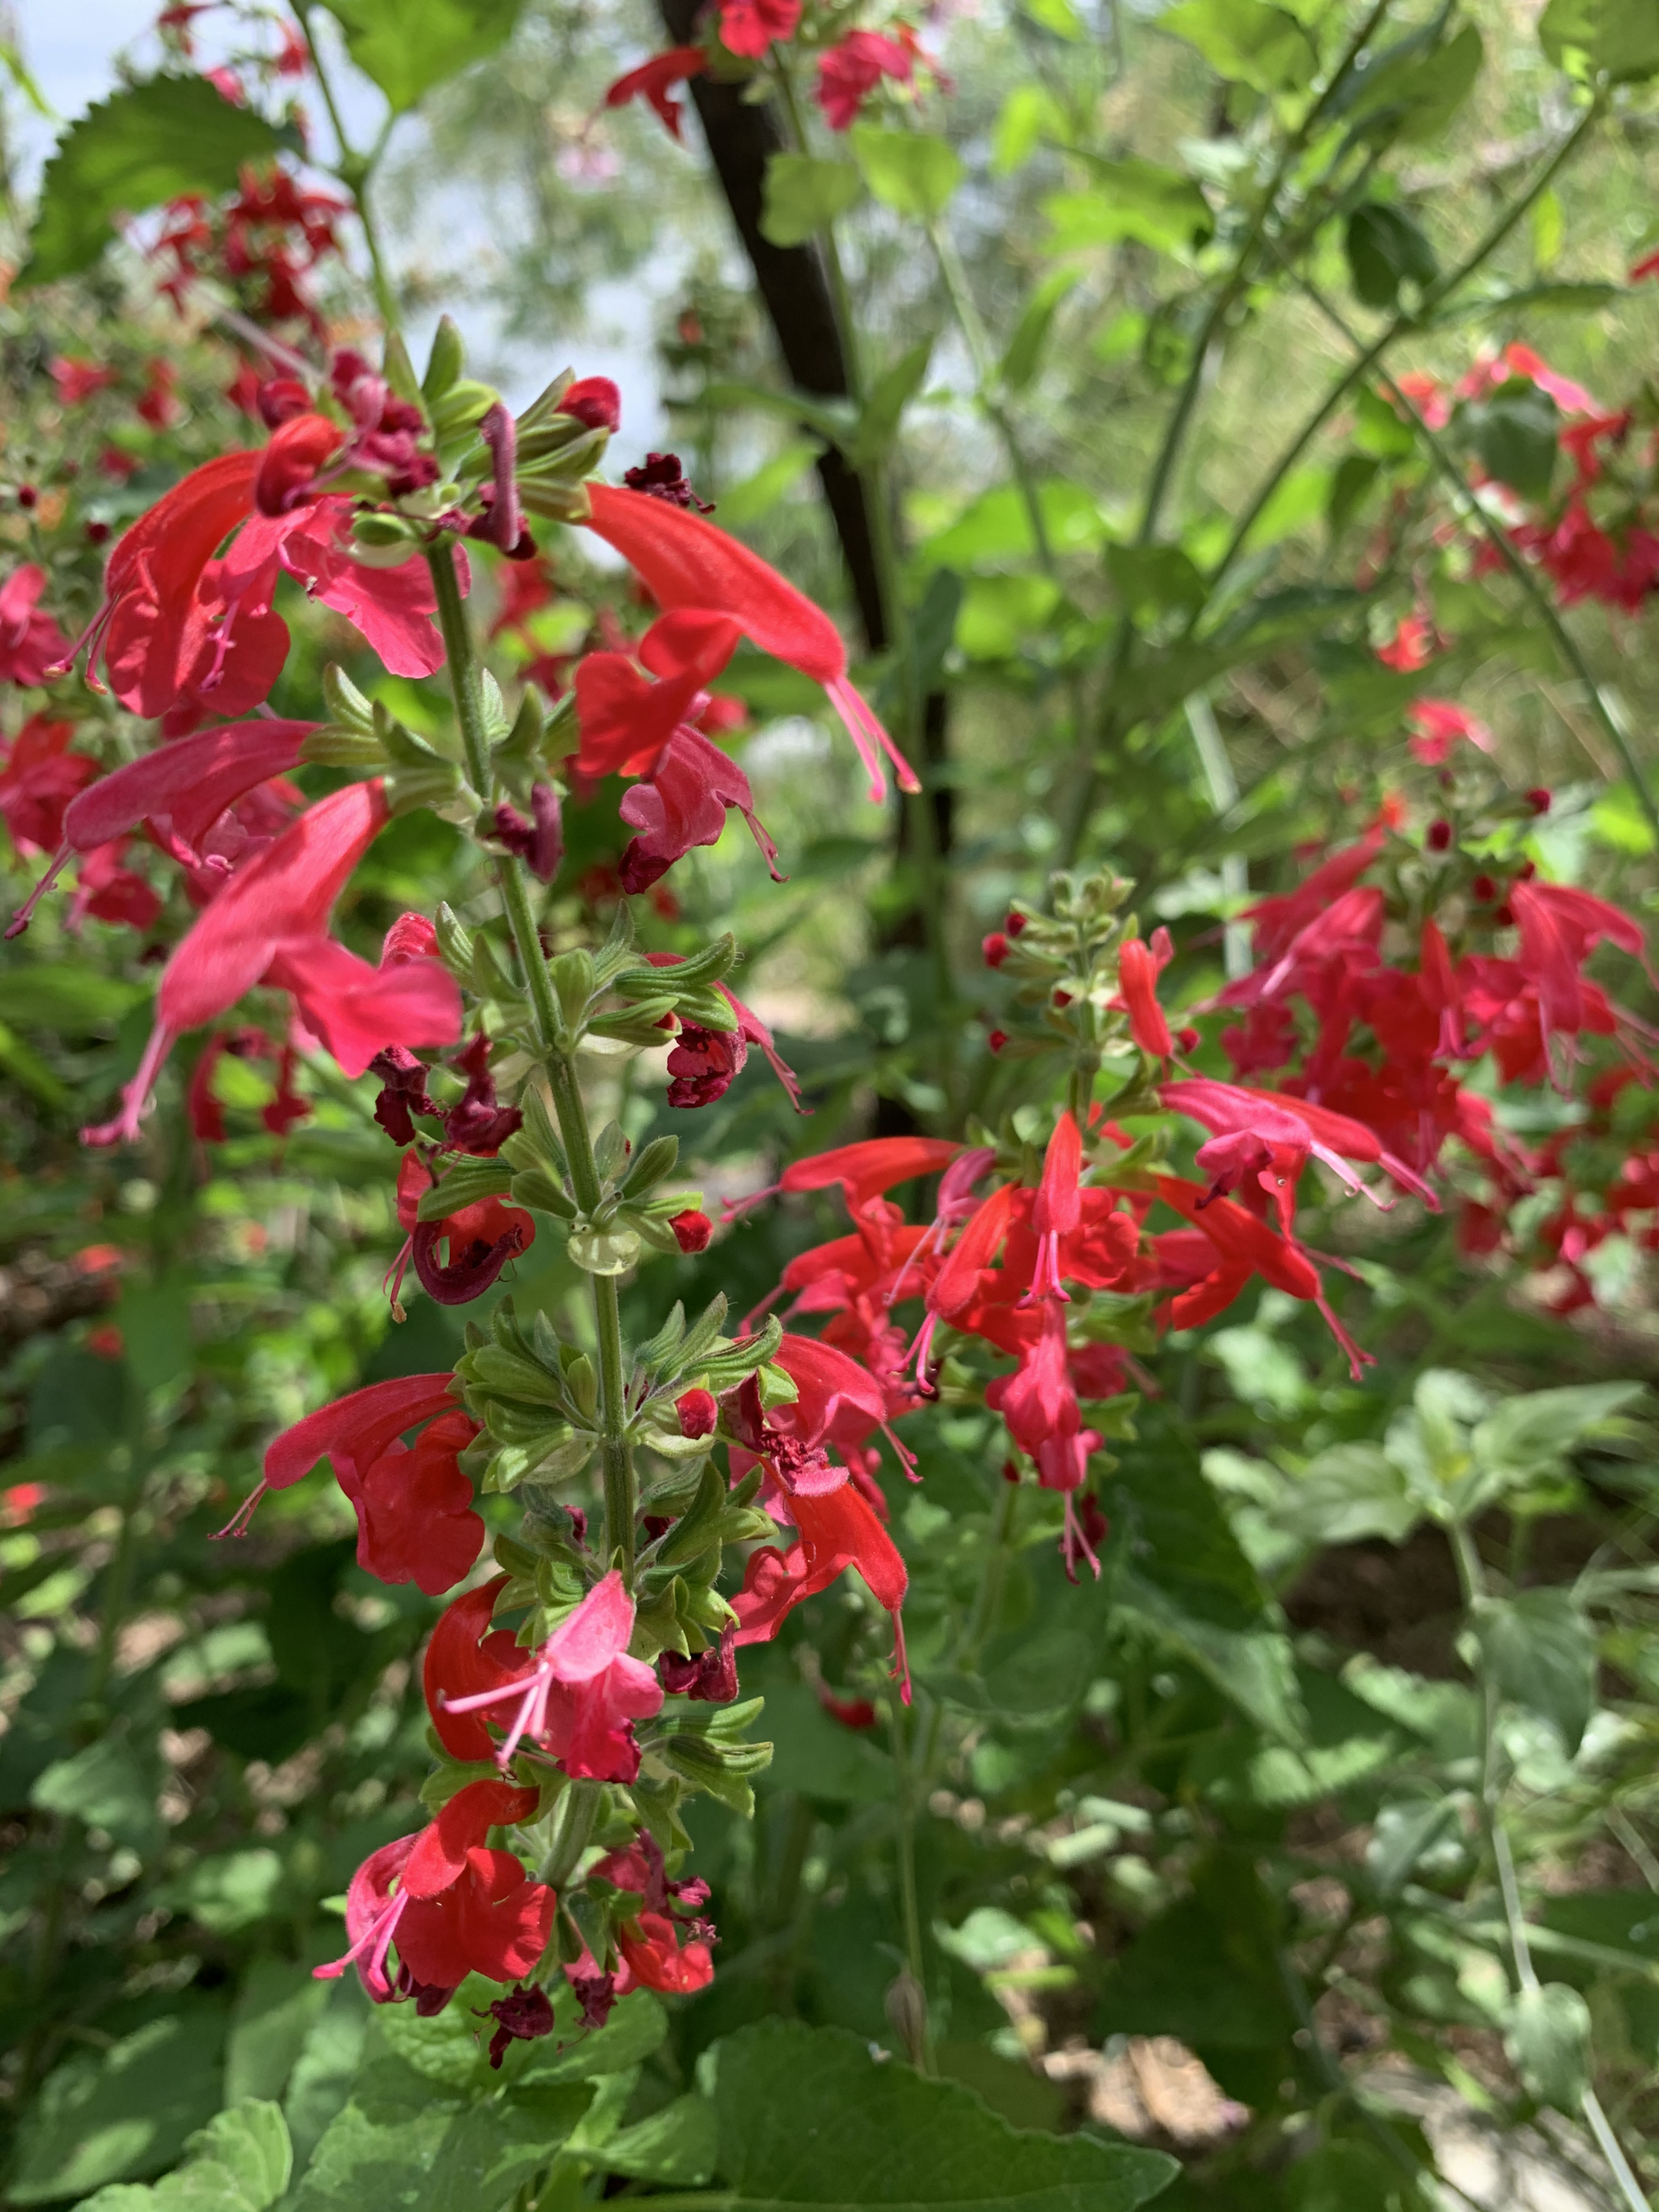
x: 905, y: 1808
x: 1542, y: 605
x: 113, y: 1602
x: 354, y: 169
x: 577, y: 1811
x: 466, y: 687
x: 1435, y: 296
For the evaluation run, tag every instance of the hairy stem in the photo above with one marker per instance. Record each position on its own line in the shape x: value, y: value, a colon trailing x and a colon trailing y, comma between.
x: 466, y: 687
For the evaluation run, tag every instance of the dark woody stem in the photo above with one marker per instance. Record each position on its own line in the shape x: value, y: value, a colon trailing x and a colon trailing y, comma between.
x: 466, y: 683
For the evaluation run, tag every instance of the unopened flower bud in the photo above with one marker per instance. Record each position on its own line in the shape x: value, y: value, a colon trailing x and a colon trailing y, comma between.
x: 1538, y: 800
x: 1439, y: 836
x: 595, y: 402
x: 1062, y: 998
x: 698, y: 1412
x: 1526, y: 871
x: 97, y: 533
x: 995, y: 948
x: 692, y: 1230
x: 27, y: 496
x: 997, y: 1039
x: 1484, y: 890
x: 1188, y: 1040
x: 1505, y: 916
x: 1015, y: 923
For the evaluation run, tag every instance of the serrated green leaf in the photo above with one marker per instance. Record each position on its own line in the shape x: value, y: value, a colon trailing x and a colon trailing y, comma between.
x: 803, y: 195
x: 145, y: 144
x: 1247, y: 41
x: 912, y: 172
x: 407, y: 46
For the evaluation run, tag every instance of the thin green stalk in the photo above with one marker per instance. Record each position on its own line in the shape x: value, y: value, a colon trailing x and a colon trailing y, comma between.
x: 1472, y: 1576
x: 466, y: 687
x: 578, y: 1810
x: 112, y: 1604
x: 1435, y: 296
x: 354, y: 169
x: 905, y: 1808
x: 1540, y: 600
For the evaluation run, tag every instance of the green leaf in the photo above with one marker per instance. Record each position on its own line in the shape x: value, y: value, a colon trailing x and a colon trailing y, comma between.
x: 1205, y: 1970
x: 240, y: 2161
x: 148, y: 144
x: 409, y: 46
x: 677, y: 2144
x: 803, y: 195
x: 1547, y: 2037
x: 277, y: 2007
x: 1132, y: 199
x: 69, y: 1001
x: 1617, y: 38
x: 1385, y: 247
x: 1347, y: 1494
x: 1025, y: 349
x: 107, y: 1786
x: 746, y: 502
x: 235, y: 1890
x: 25, y: 1066
x: 1412, y: 90
x: 911, y: 172
x: 883, y: 411
x: 1541, y: 1649
x: 122, y: 2113
x: 1056, y: 16
x: 1149, y: 581
x: 1344, y: 2177
x: 1517, y: 433
x: 807, y: 2117
x: 1030, y: 114
x: 1001, y: 614
x: 1247, y: 41
x: 1529, y: 1437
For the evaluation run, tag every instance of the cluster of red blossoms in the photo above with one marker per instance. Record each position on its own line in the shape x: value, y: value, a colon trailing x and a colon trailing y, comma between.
x: 264, y: 244
x: 849, y: 69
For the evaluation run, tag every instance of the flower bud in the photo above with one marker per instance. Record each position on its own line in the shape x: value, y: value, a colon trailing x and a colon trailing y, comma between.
x: 997, y: 1039
x: 995, y: 948
x: 1015, y: 923
x: 1538, y: 800
x: 698, y: 1412
x: 279, y: 400
x: 692, y: 1230
x: 1439, y: 836
x: 594, y: 401
x: 1484, y: 889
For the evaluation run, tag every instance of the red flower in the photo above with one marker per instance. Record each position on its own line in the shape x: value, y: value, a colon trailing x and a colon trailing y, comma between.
x: 836, y: 1531
x: 681, y: 803
x: 465, y: 1655
x: 626, y: 721
x: 458, y: 1908
x: 692, y: 1230
x: 749, y: 27
x: 685, y: 562
x: 267, y: 927
x: 654, y: 80
x: 481, y: 1238
x: 704, y: 1062
x: 414, y: 1505
x: 582, y: 1694
x: 1411, y: 645
x: 41, y: 777
x: 595, y: 400
x: 77, y: 381
x: 1139, y: 967
x: 180, y: 791
x: 658, y: 1959
x: 1285, y: 1133
x: 31, y: 644
x: 1439, y: 723
x: 850, y: 72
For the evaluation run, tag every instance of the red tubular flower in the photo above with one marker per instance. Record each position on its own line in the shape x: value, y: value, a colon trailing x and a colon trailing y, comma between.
x: 850, y: 71
x: 653, y: 81
x: 863, y: 1171
x: 77, y: 381
x: 40, y: 780
x: 414, y: 1507
x: 686, y: 563
x: 300, y: 449
x: 1439, y: 723
x: 539, y: 842
x: 1560, y: 927
x: 692, y: 1230
x: 32, y: 646
x: 681, y: 803
x: 710, y: 1678
x: 464, y: 1654
x: 459, y: 1908
x: 703, y: 1061
x: 181, y: 790
x: 655, y: 1955
x: 267, y: 925
x: 1138, y: 969
x: 1058, y: 1206
x: 481, y: 1238
x: 1289, y: 1131
x: 624, y: 719
x: 1246, y: 1247
x: 699, y: 1411
x: 582, y: 1694
x: 836, y: 1532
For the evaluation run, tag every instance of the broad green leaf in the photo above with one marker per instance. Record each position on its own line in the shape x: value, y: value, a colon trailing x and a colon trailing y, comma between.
x: 409, y: 46
x: 1404, y: 1834
x: 813, y: 1754
x: 25, y: 1067
x: 277, y: 2006
x: 1149, y: 581
x: 1410, y: 91
x: 122, y: 2113
x: 1529, y: 1437
x: 1547, y: 2037
x: 808, y: 2117
x: 1345, y: 1741
x: 746, y: 503
x: 1385, y: 248
x: 68, y: 1000
x: 677, y: 2144
x: 1024, y: 355
x: 1056, y: 16
x: 1348, y: 1493
x: 1617, y: 38
x: 1517, y: 433
x: 79, y: 1399
x: 911, y: 172
x: 109, y: 1785
x: 996, y: 527
x: 234, y: 1890
x: 239, y: 2162
x: 636, y: 2028
x: 1001, y: 615
x: 803, y: 195
x: 1247, y: 41
x: 1541, y: 1650
x: 1030, y: 114
x: 145, y: 144
x: 1132, y: 198
x: 1345, y: 2177
x: 883, y: 411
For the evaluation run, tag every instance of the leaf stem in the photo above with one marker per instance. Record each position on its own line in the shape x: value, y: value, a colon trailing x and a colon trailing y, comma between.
x: 905, y: 1811
x: 353, y: 168
x: 466, y: 687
